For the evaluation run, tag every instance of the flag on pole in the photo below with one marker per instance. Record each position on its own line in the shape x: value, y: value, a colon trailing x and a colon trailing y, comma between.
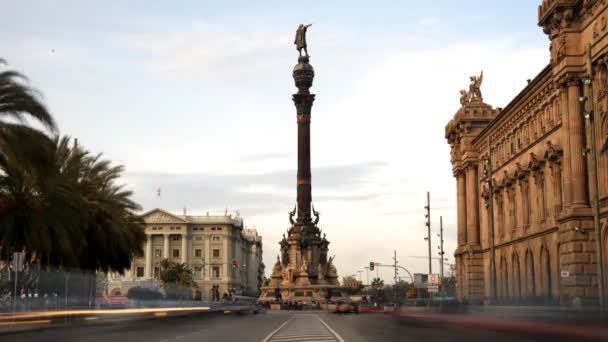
x: 158, y: 192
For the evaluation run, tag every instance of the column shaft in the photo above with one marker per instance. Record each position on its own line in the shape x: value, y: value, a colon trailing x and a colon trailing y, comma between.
x: 166, y: 253
x: 577, y: 143
x: 472, y: 205
x: 567, y: 173
x: 148, y: 256
x: 462, y: 208
x: 184, y: 250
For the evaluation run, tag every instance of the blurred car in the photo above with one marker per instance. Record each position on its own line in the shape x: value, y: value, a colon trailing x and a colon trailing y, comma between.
x: 344, y: 305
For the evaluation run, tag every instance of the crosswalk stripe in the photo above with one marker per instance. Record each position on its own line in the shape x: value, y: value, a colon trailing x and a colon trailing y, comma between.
x: 304, y: 328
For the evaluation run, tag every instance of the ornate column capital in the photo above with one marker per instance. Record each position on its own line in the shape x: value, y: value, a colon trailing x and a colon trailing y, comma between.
x: 303, y: 104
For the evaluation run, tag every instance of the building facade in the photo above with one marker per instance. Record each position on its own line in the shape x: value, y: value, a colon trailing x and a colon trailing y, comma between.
x: 218, y: 249
x: 543, y: 236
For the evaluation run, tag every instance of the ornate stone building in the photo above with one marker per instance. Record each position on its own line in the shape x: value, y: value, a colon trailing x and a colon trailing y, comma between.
x: 540, y: 170
x: 209, y: 244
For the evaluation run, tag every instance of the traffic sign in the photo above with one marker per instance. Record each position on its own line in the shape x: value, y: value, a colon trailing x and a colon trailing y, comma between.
x: 565, y: 274
x: 433, y: 283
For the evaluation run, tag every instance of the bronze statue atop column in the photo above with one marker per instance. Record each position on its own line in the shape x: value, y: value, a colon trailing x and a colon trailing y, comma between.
x: 300, y: 40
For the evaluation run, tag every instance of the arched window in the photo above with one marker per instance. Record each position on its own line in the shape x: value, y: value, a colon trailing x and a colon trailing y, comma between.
x: 545, y: 264
x: 530, y: 280
x: 505, y: 277
x: 516, y: 276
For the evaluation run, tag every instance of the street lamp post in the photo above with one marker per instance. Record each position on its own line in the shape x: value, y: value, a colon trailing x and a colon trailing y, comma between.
x: 588, y: 81
x: 487, y: 172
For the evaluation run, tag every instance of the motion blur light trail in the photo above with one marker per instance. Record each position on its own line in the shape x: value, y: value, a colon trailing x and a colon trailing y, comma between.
x: 41, y: 321
x: 50, y: 314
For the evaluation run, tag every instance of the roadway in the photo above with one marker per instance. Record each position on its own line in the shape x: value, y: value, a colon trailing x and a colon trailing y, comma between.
x: 266, y: 327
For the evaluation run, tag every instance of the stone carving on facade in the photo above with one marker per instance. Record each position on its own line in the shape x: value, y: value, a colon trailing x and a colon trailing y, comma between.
x: 475, y: 87
x: 316, y: 213
x: 553, y: 152
x: 304, y: 268
x: 465, y: 97
x: 292, y: 214
x: 331, y: 268
x: 320, y: 275
x: 561, y: 48
x: 277, y: 270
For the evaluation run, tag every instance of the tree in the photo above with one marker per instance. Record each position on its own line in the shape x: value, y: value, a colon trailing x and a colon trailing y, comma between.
x: 19, y: 101
x: 174, y: 274
x: 377, y: 283
x: 59, y: 203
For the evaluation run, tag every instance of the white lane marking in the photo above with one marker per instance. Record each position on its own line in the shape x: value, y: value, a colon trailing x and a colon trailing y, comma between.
x: 330, y: 329
x: 178, y: 337
x: 164, y: 341
x: 276, y: 330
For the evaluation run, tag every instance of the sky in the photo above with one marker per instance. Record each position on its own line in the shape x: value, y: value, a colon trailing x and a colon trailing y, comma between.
x: 194, y: 97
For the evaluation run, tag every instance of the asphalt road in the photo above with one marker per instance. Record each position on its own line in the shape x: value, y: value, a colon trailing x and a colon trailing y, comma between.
x: 268, y: 327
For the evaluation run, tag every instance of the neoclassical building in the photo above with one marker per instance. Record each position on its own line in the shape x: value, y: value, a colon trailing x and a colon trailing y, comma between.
x: 538, y: 145
x: 218, y: 249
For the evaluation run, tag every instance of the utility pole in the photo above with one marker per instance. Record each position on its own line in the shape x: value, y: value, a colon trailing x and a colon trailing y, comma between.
x: 428, y: 226
x: 588, y: 81
x: 487, y: 173
x: 395, y: 276
x: 441, y: 253
x: 428, y: 236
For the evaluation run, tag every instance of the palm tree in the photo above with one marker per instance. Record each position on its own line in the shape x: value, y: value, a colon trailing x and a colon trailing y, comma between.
x: 19, y: 101
x: 40, y: 213
x: 114, y: 235
x: 377, y: 283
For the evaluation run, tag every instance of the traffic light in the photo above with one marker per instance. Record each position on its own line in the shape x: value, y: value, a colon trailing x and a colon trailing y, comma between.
x: 371, y: 265
x: 234, y: 264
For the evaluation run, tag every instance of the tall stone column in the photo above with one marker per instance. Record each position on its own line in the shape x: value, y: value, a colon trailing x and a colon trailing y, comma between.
x: 577, y: 143
x: 472, y: 204
x: 566, y: 170
x: 148, y: 256
x: 184, y: 252
x: 462, y: 207
x: 166, y: 253
x: 303, y: 74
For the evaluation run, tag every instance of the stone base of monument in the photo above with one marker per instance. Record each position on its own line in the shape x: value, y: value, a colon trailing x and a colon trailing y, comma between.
x: 304, y: 293
x: 275, y: 307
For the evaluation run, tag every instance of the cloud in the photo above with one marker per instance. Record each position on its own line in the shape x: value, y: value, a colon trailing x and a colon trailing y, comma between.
x: 251, y: 193
x: 204, y: 47
x: 427, y: 21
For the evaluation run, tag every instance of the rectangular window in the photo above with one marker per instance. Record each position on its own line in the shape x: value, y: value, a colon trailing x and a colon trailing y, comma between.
x: 216, y: 238
x: 157, y: 252
x: 156, y: 272
x: 176, y: 253
x: 175, y: 237
x: 216, y: 272
x: 198, y: 272
x: 139, y: 271
x: 198, y: 238
x: 198, y: 253
x: 216, y: 253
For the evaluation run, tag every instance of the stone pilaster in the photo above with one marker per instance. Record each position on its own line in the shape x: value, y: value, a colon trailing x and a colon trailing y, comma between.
x: 166, y: 253
x: 148, y: 255
x: 577, y: 144
x: 184, y: 249
x: 472, y: 207
x: 462, y: 208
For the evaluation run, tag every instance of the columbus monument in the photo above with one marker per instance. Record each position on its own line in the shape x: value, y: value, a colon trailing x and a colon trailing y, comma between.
x: 303, y: 270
